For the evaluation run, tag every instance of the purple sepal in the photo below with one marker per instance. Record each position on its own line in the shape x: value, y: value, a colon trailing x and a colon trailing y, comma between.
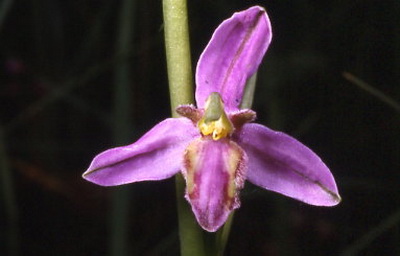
x: 232, y: 56
x: 155, y: 156
x: 282, y: 164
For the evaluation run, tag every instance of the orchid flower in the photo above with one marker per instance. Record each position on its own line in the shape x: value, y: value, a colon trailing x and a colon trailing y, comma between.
x: 215, y: 146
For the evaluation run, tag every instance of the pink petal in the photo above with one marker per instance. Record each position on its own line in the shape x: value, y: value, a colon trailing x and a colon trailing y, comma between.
x: 232, y: 56
x: 280, y: 163
x: 214, y: 173
x: 156, y: 156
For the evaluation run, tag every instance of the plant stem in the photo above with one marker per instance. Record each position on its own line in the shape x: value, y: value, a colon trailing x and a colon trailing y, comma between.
x: 177, y: 47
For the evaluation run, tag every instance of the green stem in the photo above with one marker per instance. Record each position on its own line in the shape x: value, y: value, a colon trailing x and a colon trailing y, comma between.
x: 177, y: 47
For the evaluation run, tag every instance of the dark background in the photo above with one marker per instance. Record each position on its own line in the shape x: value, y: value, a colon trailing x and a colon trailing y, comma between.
x: 71, y: 88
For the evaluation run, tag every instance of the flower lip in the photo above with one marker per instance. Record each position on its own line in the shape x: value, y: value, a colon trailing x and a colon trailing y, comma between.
x: 214, y: 173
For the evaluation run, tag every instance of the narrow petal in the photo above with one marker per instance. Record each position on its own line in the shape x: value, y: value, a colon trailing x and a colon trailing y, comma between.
x: 280, y: 163
x: 191, y: 112
x: 232, y: 56
x: 241, y: 117
x: 156, y: 156
x: 214, y: 172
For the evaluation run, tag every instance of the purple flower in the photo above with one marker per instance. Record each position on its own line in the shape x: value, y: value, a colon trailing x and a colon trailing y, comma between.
x: 215, y: 145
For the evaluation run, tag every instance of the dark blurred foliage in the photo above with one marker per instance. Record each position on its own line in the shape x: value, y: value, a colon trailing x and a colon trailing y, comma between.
x: 58, y: 62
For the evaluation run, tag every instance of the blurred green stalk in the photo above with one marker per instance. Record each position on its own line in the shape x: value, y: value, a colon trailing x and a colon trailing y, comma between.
x: 364, y: 241
x: 248, y: 95
x: 10, y: 204
x: 119, y: 223
x: 280, y: 223
x: 5, y: 7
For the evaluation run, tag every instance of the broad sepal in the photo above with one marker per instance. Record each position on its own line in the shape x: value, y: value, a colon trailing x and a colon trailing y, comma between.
x: 282, y: 164
x: 233, y: 55
x: 155, y: 156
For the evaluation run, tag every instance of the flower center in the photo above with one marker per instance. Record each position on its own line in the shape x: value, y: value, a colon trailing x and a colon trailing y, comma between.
x: 215, y: 122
